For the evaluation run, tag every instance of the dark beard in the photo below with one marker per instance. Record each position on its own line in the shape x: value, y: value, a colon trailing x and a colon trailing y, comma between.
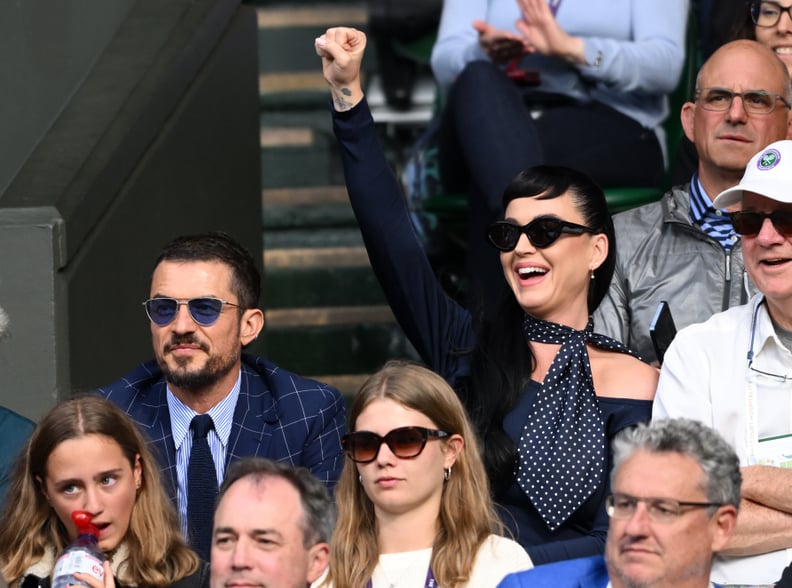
x: 195, y: 381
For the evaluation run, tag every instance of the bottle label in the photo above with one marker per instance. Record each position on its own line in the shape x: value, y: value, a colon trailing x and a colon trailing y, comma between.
x: 79, y: 561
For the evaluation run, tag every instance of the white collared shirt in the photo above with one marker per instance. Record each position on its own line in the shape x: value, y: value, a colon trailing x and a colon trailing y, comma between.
x: 705, y: 376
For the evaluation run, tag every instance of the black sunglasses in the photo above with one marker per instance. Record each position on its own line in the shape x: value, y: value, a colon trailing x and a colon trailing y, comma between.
x: 542, y: 232
x: 404, y: 443
x: 750, y: 223
x: 204, y: 311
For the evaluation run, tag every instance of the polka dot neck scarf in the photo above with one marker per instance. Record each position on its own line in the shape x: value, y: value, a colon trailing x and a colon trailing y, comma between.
x: 563, y: 446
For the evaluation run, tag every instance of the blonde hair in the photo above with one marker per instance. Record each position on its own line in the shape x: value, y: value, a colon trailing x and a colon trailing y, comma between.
x: 158, y: 555
x: 467, y: 516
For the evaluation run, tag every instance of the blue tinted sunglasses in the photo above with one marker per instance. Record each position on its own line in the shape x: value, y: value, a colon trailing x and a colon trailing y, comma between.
x: 204, y: 311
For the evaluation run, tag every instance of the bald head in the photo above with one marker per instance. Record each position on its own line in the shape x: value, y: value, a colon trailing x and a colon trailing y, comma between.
x: 748, y: 49
x: 726, y: 140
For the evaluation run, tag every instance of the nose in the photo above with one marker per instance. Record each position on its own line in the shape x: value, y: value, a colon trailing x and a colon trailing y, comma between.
x: 768, y: 235
x: 638, y: 524
x: 183, y: 322
x: 92, y: 503
x: 737, y: 111
x: 240, y: 555
x: 524, y: 244
x: 385, y: 455
x: 785, y: 22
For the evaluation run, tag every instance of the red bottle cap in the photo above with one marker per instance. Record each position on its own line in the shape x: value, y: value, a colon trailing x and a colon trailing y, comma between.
x: 83, y: 521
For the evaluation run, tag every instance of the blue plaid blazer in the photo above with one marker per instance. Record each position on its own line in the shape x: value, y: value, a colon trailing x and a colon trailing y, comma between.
x: 279, y: 415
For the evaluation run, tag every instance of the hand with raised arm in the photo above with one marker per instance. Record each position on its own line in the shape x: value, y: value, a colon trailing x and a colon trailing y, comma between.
x: 341, y: 50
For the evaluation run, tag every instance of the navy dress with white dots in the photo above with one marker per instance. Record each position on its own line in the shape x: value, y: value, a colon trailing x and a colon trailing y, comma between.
x: 441, y: 330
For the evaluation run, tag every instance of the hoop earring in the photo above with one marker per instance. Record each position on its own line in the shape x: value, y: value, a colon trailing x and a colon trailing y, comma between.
x: 447, y: 474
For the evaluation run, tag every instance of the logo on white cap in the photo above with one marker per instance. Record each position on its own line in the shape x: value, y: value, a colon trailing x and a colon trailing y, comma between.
x: 768, y: 160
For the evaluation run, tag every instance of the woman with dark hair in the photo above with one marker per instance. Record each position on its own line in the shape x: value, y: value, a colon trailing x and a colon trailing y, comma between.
x: 545, y: 392
x: 85, y: 454
x: 770, y: 23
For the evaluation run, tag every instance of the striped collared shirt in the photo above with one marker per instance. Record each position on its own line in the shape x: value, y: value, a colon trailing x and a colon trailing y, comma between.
x: 715, y: 223
x: 222, y: 414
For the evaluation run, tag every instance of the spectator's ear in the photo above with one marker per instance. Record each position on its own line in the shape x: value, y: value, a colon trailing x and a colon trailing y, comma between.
x: 723, y: 525
x: 250, y: 325
x: 318, y: 560
x: 686, y: 115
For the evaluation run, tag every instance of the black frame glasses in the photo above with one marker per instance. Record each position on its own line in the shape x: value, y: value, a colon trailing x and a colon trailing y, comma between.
x: 660, y: 510
x: 404, y: 443
x: 767, y: 14
x: 753, y: 101
x: 541, y: 232
x: 204, y: 310
x: 750, y: 223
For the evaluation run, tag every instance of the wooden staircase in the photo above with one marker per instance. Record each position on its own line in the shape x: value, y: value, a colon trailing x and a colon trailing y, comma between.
x: 326, y: 314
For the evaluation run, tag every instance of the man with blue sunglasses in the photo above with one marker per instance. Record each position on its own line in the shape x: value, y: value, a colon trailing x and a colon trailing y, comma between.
x: 202, y: 401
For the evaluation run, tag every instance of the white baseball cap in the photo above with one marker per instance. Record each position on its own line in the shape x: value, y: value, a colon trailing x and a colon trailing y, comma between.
x: 769, y: 174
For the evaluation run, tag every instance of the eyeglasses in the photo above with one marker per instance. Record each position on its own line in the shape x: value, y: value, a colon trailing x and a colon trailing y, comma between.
x: 660, y: 510
x: 204, y: 311
x: 404, y: 443
x: 542, y: 232
x: 767, y: 14
x: 782, y: 377
x: 750, y: 223
x: 754, y: 102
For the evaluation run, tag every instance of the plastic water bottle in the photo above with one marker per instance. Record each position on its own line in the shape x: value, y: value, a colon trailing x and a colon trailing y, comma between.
x: 81, y: 555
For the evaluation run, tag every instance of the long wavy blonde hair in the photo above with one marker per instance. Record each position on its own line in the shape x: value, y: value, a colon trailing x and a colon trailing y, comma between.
x: 158, y: 556
x: 467, y: 516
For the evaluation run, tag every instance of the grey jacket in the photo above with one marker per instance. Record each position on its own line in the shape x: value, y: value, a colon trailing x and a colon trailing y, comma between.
x: 662, y: 256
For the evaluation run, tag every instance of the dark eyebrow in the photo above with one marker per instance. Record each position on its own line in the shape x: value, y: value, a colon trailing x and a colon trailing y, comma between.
x: 253, y: 532
x: 113, y: 472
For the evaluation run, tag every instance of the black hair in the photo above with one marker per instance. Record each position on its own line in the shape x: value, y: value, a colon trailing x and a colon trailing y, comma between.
x: 219, y: 246
x: 502, y: 362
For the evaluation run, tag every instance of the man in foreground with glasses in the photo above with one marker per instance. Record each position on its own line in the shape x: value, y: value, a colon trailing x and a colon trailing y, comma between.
x: 734, y: 372
x: 676, y: 490
x: 202, y: 401
x: 682, y: 249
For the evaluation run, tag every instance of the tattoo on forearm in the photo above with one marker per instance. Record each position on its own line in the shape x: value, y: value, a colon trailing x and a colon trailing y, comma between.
x: 340, y: 102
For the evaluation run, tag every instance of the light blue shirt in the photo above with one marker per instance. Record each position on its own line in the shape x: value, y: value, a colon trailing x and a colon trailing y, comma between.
x: 181, y: 415
x: 635, y: 49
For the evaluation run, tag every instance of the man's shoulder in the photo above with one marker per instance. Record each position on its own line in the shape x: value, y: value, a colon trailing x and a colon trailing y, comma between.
x: 138, y: 380
x: 652, y: 221
x: 588, y: 572
x: 12, y: 423
x: 281, y: 382
x: 720, y: 322
x: 676, y: 202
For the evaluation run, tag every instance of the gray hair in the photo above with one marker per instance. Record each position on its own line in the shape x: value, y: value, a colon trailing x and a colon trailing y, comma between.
x: 716, y: 457
x: 319, y: 513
